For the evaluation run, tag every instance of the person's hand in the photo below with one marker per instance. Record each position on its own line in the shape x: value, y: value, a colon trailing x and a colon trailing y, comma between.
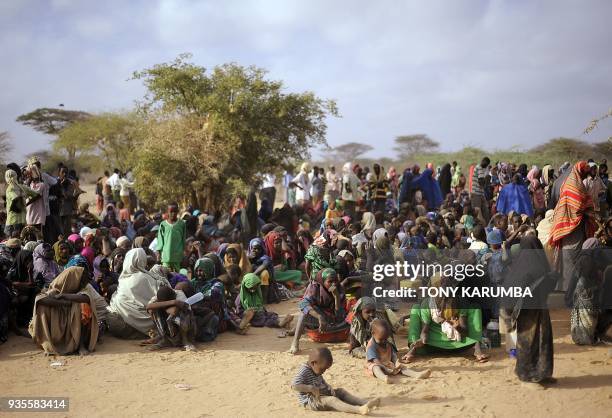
x: 315, y: 391
x: 423, y: 338
x: 58, y: 296
x: 322, y: 324
x: 180, y: 304
x: 334, y: 290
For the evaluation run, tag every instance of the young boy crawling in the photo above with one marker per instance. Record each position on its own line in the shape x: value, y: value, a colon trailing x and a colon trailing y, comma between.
x: 173, y: 318
x: 316, y: 394
x: 381, y: 356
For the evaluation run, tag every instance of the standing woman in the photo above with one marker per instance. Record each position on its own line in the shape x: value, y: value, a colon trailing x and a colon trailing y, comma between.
x: 36, y: 213
x: 530, y: 317
x: 16, y: 195
x: 445, y: 179
x: 573, y: 222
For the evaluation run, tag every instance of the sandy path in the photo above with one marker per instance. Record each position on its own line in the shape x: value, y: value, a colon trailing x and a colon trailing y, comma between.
x: 250, y: 375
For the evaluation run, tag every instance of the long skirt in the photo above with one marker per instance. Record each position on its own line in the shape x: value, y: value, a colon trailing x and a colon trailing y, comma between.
x: 534, y: 354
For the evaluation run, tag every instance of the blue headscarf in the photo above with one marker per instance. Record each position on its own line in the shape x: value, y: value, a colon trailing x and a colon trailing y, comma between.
x: 429, y: 187
x: 514, y: 197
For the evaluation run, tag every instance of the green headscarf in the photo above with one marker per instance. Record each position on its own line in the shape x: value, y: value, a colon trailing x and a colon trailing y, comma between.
x: 251, y: 300
x: 207, y: 265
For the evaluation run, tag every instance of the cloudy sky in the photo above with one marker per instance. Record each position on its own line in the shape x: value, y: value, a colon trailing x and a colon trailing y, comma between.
x: 493, y: 74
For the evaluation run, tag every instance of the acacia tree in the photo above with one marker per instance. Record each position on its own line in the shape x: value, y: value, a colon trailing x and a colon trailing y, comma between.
x: 112, y: 136
x: 409, y: 145
x: 204, y: 130
x: 5, y: 145
x: 349, y: 151
x: 52, y: 121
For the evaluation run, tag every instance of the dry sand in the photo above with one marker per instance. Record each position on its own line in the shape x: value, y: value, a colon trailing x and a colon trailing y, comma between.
x: 249, y: 376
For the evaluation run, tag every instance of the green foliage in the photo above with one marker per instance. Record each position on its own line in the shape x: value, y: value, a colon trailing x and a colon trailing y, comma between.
x: 349, y: 151
x: 204, y: 130
x: 409, y: 145
x: 5, y: 146
x: 111, y: 136
x: 51, y: 121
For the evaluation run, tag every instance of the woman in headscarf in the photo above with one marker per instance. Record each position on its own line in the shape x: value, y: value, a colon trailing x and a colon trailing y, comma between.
x: 250, y: 306
x: 443, y: 323
x: 128, y: 317
x: 445, y: 179
x: 241, y: 259
x: 263, y: 267
x: 63, y: 250
x: 589, y: 295
x: 548, y: 178
x: 529, y: 315
x: 44, y: 263
x: 514, y: 197
x: 205, y: 281
x: 322, y: 307
x: 319, y: 255
x: 360, y: 317
x: 393, y: 180
x: 573, y: 222
x: 22, y: 277
x: 116, y: 259
x: 429, y: 188
x: 66, y: 315
x: 37, y: 208
x: 249, y: 226
x: 406, y: 192
x: 16, y: 196
x: 281, y: 260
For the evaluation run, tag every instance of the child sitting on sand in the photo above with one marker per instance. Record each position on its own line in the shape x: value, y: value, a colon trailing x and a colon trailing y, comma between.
x: 381, y: 356
x: 173, y: 318
x: 316, y: 394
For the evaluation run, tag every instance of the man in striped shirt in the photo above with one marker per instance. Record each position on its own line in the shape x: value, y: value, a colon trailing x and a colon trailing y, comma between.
x: 316, y: 394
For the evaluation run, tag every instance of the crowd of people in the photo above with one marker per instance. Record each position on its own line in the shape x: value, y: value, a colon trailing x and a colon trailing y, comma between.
x: 184, y: 275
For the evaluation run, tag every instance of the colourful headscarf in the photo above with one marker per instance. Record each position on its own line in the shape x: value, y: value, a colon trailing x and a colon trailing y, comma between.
x: 574, y: 202
x: 248, y: 299
x: 207, y: 265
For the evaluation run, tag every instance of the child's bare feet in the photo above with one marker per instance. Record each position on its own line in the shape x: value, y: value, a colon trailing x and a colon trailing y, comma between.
x: 424, y: 374
x: 364, y: 409
x: 83, y: 351
x: 294, y: 349
x: 190, y: 347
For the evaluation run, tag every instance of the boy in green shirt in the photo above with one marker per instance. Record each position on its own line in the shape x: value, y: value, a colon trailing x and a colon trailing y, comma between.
x: 171, y: 239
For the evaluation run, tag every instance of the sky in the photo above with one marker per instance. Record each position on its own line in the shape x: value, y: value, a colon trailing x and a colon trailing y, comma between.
x: 492, y: 74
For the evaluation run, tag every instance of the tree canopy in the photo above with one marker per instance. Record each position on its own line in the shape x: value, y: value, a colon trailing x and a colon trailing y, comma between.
x: 349, y: 151
x: 408, y: 145
x: 205, y: 129
x: 51, y: 121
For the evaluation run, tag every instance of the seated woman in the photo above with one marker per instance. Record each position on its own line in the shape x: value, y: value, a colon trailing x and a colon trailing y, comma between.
x: 63, y: 251
x: 128, y: 317
x: 351, y: 278
x: 263, y: 267
x: 21, y: 275
x: 322, y: 306
x: 250, y: 306
x: 281, y: 260
x: 360, y: 318
x: 174, y: 321
x: 65, y: 316
x: 45, y: 267
x: 212, y: 288
x: 439, y: 323
x: 319, y: 255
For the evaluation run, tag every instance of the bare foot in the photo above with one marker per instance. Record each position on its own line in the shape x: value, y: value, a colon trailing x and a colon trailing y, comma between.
x: 294, y: 349
x: 364, y: 409
x: 243, y: 330
x: 481, y: 358
x: 373, y: 403
x: 190, y: 347
x: 83, y: 351
x: 424, y: 374
x: 286, y: 321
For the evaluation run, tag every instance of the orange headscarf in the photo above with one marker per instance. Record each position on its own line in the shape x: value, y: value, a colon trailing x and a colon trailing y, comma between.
x: 574, y: 203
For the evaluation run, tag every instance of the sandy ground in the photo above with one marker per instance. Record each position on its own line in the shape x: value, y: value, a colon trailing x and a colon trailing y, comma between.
x: 250, y: 375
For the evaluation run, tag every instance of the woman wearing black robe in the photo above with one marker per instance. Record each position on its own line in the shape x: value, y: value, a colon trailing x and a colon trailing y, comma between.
x: 530, y: 317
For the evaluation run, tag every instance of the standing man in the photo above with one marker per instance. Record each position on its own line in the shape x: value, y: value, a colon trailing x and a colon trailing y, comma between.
x: 334, y: 183
x: 350, y: 189
x: 113, y: 183
x: 268, y: 190
x: 302, y: 182
x: 379, y: 186
x: 477, y: 196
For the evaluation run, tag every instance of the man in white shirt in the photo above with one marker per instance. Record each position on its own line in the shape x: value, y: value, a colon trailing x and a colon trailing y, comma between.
x: 302, y: 182
x: 113, y: 182
x: 334, y: 183
x: 268, y: 190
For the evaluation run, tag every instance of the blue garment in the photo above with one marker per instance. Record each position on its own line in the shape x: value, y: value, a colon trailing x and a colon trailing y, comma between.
x: 514, y: 197
x: 406, y: 188
x: 429, y: 187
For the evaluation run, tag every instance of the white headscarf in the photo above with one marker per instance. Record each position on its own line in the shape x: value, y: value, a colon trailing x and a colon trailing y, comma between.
x: 136, y: 288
